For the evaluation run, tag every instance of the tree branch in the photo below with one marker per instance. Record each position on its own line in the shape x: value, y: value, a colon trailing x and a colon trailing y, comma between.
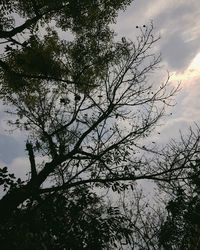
x: 15, y: 31
x: 29, y: 148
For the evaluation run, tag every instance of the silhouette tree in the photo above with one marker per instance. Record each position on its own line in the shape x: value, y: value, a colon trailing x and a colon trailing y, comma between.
x: 75, y: 220
x: 181, y: 227
x: 87, y: 107
x: 90, y: 134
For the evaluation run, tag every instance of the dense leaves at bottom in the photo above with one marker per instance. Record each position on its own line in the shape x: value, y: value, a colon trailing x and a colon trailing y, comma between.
x: 79, y: 220
x: 181, y: 228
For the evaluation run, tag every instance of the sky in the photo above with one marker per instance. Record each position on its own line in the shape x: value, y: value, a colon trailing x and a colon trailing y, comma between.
x: 177, y: 22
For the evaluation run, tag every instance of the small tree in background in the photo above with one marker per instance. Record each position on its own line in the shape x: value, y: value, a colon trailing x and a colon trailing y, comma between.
x: 181, y: 228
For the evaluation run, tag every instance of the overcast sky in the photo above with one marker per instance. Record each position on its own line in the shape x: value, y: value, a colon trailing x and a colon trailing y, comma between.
x: 177, y: 21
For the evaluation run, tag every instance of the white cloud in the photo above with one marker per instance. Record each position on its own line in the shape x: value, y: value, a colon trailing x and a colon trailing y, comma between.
x: 174, y: 20
x: 20, y: 166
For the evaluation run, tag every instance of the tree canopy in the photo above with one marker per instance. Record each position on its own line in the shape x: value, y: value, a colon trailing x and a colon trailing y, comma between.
x: 181, y: 226
x: 87, y: 106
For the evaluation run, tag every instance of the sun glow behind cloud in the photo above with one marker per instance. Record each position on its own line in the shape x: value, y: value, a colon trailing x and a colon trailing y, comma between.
x: 196, y: 63
x: 191, y: 74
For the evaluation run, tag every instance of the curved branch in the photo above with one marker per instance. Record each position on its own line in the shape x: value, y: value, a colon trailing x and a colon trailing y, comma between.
x: 19, y: 29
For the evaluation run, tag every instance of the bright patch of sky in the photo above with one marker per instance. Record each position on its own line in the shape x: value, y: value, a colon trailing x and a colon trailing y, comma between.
x: 189, y: 76
x: 176, y: 23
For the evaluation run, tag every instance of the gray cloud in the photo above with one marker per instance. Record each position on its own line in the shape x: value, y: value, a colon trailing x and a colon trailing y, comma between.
x: 177, y: 23
x: 177, y: 52
x: 10, y: 148
x: 174, y: 20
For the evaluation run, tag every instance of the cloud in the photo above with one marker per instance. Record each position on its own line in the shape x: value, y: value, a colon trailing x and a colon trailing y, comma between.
x: 187, y: 111
x: 177, y: 52
x: 191, y: 103
x: 190, y: 75
x: 20, y: 166
x: 10, y: 148
x: 12, y: 143
x: 175, y: 21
